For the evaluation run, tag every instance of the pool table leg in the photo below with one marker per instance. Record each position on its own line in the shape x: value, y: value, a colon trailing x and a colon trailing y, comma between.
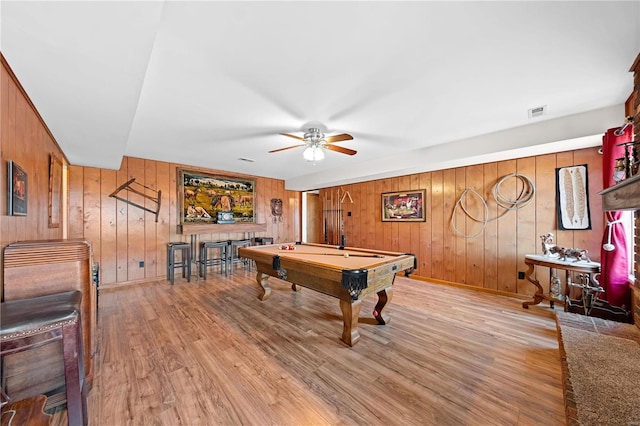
x: 384, y: 297
x: 264, y: 287
x: 350, y: 314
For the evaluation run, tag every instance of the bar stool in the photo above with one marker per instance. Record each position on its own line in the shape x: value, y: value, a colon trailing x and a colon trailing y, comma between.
x: 31, y: 323
x: 261, y: 241
x: 233, y: 255
x: 206, y: 261
x: 184, y: 262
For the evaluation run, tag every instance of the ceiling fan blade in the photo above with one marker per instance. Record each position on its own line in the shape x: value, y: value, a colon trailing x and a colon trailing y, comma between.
x: 338, y: 138
x: 283, y: 149
x: 300, y: 138
x: 340, y: 149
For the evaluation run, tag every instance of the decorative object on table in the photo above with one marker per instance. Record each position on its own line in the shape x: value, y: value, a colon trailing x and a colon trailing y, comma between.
x: 276, y: 209
x: 203, y: 196
x: 226, y: 217
x: 547, y: 243
x: 139, y: 190
x: 404, y: 206
x: 573, y: 198
x: 55, y: 191
x: 17, y: 190
x: 550, y: 249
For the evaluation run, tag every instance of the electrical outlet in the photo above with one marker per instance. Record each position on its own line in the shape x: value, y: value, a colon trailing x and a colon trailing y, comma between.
x: 520, y: 275
x: 141, y: 263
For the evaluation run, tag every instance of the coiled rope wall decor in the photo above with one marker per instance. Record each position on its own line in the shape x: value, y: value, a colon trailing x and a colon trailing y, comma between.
x: 524, y: 198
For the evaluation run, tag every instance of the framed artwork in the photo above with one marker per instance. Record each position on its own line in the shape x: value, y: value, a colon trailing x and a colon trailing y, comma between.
x: 572, y: 190
x: 17, y: 193
x: 55, y: 191
x: 207, y: 198
x: 404, y: 206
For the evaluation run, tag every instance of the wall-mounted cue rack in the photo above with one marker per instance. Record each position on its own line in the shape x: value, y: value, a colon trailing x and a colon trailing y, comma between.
x: 333, y: 221
x: 127, y: 186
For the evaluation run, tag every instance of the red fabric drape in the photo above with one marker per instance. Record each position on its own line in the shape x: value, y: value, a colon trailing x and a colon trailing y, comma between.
x: 614, y: 263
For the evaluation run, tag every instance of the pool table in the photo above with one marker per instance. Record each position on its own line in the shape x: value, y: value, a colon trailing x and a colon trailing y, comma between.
x: 346, y: 273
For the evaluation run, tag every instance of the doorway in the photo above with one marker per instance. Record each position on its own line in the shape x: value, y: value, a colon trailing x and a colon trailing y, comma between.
x: 312, y: 228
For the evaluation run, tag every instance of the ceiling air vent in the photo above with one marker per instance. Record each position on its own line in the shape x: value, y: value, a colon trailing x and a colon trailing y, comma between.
x: 537, y: 112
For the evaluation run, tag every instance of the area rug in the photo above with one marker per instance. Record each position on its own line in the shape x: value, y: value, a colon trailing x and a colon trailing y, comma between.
x: 604, y: 374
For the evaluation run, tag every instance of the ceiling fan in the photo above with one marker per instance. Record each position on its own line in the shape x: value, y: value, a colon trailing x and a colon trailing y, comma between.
x: 315, y: 141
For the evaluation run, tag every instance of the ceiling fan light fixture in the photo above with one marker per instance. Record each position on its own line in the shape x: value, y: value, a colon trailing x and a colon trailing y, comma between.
x: 313, y: 153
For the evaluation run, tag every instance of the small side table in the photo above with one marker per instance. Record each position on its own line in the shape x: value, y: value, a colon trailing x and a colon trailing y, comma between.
x: 571, y: 265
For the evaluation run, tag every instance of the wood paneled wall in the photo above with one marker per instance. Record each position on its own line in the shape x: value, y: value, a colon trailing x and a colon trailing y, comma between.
x: 25, y: 139
x: 123, y: 235
x: 493, y: 259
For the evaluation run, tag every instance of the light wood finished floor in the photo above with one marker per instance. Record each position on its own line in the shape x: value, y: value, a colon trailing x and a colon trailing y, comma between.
x: 209, y: 352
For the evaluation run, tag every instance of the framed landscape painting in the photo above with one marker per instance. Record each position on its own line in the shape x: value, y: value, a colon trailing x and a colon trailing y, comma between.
x: 404, y: 206
x: 208, y: 198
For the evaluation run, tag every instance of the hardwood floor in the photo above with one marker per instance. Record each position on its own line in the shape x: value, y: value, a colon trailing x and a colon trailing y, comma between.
x: 209, y: 352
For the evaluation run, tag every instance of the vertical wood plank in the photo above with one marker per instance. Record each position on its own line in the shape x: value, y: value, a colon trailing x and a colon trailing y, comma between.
x: 122, y: 228
x: 490, y: 179
x: 460, y: 241
x: 507, y: 247
x: 449, y: 238
x: 404, y: 228
x: 564, y: 238
x: 135, y: 224
x: 546, y: 215
x: 525, y: 221
x: 378, y: 237
x: 108, y: 227
x: 423, y: 252
x: 164, y: 225
x: 474, y: 248
x: 76, y: 203
x: 92, y: 206
x: 150, y: 243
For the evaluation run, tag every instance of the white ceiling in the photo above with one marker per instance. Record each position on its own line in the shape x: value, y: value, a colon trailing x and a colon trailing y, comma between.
x: 419, y: 85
